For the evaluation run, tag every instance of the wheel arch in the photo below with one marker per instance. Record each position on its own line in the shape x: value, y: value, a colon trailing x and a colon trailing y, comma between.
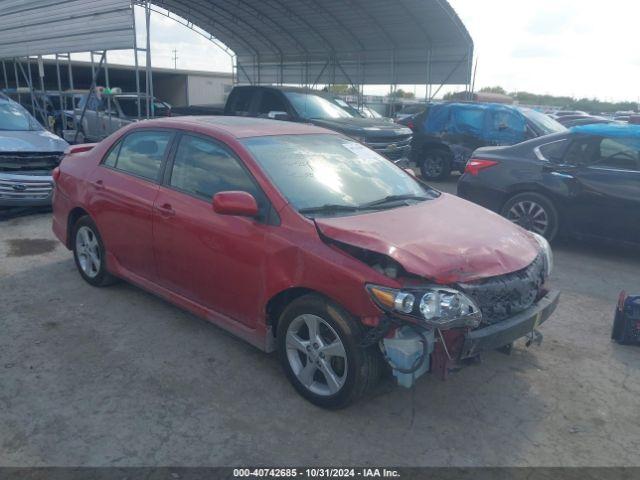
x: 74, y: 215
x: 278, y: 302
x: 433, y: 145
x: 550, y: 197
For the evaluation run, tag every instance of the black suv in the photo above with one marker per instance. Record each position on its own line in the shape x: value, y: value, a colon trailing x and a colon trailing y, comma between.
x: 302, y: 105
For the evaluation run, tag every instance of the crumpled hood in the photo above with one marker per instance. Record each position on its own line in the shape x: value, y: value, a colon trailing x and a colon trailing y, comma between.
x: 446, y: 239
x: 31, y: 141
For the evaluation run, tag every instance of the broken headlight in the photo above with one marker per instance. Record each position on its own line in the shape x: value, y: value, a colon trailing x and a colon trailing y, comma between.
x: 437, y: 307
x: 547, y: 254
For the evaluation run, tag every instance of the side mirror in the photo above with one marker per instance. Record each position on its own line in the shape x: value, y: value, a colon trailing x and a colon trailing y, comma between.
x: 278, y: 115
x: 241, y: 204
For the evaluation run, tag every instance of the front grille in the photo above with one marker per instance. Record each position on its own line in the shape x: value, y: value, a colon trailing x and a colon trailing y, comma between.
x: 503, y: 296
x: 391, y: 147
x: 399, y: 139
x: 16, y: 162
x: 28, y: 188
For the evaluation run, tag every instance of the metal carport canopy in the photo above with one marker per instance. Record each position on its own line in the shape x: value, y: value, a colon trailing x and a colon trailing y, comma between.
x: 337, y: 41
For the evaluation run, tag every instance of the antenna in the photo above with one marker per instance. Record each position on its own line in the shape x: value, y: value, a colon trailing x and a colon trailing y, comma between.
x: 175, y: 59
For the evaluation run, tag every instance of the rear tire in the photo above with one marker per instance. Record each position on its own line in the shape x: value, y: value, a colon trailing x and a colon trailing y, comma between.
x: 319, y: 349
x: 435, y: 165
x: 89, y: 253
x: 533, y: 212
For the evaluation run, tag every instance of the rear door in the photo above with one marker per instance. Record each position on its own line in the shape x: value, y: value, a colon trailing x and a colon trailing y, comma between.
x: 123, y: 189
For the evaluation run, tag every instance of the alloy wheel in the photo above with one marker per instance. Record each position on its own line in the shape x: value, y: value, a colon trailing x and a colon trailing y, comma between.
x: 434, y: 166
x: 316, y: 355
x: 529, y: 215
x: 88, y: 251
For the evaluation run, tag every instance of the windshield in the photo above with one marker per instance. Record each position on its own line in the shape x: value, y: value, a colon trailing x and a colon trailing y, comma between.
x: 348, y: 108
x: 543, y: 123
x: 15, y: 118
x: 324, y: 170
x: 410, y: 109
x: 311, y: 106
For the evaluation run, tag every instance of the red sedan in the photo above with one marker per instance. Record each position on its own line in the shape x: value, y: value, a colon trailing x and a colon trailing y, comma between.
x: 301, y: 240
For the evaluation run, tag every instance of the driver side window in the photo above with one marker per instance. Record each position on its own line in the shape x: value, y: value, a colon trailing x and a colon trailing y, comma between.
x: 619, y: 154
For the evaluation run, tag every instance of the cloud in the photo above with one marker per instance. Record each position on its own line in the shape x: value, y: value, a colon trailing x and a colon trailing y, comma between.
x: 550, y: 22
x: 535, y: 50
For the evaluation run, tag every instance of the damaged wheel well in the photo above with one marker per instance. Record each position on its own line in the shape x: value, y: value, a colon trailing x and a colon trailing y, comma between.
x: 74, y: 215
x: 279, y: 302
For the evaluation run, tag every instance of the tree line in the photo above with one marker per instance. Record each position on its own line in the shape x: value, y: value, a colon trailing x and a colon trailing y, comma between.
x: 564, y: 102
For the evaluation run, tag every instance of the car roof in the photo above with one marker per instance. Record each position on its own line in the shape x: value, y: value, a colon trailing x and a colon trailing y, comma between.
x: 238, y: 127
x: 608, y: 130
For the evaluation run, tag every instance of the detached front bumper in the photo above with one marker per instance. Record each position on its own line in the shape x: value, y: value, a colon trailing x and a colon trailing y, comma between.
x: 502, y: 333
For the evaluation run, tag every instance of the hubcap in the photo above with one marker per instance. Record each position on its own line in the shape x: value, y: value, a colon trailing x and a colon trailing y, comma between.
x: 316, y: 355
x: 88, y: 251
x: 529, y: 215
x: 434, y: 166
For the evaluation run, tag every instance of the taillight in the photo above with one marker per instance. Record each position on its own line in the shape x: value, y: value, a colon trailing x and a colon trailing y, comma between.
x: 476, y: 164
x: 410, y: 124
x: 55, y: 174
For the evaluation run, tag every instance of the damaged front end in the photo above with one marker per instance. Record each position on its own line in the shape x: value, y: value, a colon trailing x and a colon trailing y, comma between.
x: 435, y: 328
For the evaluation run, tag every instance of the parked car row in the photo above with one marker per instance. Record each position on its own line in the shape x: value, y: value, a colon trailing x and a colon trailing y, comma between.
x: 106, y: 111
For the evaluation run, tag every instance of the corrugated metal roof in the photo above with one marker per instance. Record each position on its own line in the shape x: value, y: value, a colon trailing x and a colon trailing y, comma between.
x: 337, y: 41
x: 40, y: 27
x: 275, y: 41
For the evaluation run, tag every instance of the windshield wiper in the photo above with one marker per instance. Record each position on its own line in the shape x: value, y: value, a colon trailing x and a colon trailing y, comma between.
x: 331, y: 208
x: 394, y: 198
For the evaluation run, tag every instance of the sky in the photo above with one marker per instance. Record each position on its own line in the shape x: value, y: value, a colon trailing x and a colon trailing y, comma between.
x: 580, y: 48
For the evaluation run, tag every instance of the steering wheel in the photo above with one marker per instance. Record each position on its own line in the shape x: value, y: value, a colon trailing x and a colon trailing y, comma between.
x: 629, y: 155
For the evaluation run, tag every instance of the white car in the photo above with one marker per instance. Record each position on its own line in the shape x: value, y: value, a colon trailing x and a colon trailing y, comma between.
x: 28, y: 154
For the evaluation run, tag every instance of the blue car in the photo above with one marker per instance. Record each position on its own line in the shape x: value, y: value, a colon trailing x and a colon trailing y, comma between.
x: 446, y: 134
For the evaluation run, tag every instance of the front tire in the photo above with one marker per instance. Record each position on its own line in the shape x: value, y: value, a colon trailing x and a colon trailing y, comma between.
x: 320, y: 352
x: 435, y: 165
x: 89, y: 253
x: 533, y: 212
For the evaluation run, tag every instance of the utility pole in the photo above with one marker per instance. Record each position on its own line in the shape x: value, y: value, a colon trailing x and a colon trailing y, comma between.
x: 175, y: 59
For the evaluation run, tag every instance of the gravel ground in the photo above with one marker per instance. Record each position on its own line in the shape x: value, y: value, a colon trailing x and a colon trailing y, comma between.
x: 116, y: 376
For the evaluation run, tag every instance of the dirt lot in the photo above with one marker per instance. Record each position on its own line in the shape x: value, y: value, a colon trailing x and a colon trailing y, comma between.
x: 116, y: 376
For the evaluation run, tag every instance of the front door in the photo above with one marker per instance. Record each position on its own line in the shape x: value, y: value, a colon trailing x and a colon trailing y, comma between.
x: 215, y: 260
x: 605, y: 183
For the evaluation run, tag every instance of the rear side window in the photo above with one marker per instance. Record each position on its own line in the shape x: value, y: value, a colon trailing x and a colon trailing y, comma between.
x: 552, y: 151
x: 140, y: 153
x: 205, y: 167
x: 469, y: 120
x: 241, y: 101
